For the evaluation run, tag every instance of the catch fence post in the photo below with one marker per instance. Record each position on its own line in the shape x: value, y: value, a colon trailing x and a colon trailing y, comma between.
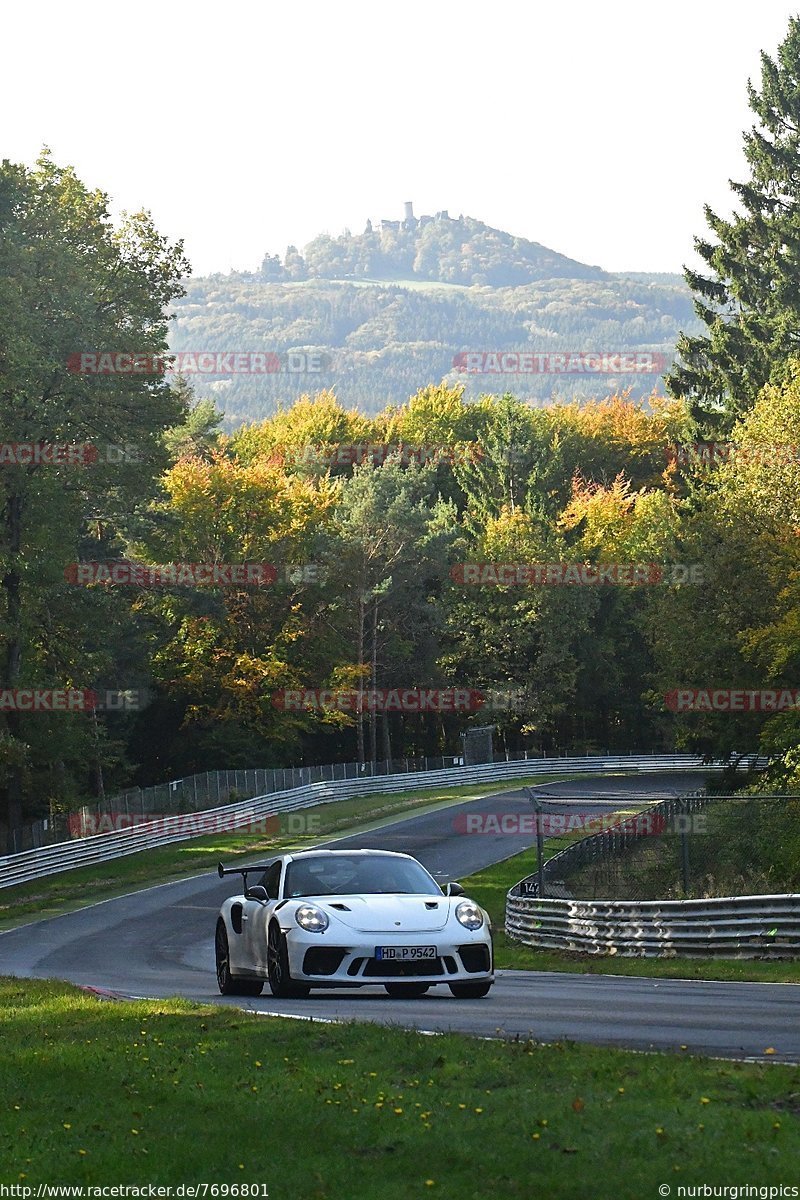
x: 537, y: 808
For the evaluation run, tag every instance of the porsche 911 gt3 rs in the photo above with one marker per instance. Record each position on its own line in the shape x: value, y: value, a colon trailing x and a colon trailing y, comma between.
x: 347, y: 919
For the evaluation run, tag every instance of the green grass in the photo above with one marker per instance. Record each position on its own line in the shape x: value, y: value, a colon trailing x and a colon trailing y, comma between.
x: 490, y: 887
x: 166, y: 1092
x: 74, y: 889
x: 747, y: 847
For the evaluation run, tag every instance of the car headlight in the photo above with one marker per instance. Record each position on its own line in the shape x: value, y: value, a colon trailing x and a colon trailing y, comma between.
x: 311, y: 918
x: 469, y: 915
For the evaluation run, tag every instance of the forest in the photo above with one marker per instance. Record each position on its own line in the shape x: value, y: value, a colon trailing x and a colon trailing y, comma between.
x: 189, y: 582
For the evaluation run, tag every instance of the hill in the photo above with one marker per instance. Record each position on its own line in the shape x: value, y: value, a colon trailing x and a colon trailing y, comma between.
x: 434, y: 248
x: 375, y: 316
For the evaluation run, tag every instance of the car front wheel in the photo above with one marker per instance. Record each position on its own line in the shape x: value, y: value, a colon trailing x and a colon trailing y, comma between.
x: 230, y: 985
x: 280, y: 981
x: 470, y: 991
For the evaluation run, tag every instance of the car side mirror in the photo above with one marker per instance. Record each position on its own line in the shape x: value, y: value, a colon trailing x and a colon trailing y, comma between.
x: 258, y: 893
x: 455, y: 889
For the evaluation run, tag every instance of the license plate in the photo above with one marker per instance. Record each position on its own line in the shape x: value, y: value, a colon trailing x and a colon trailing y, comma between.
x: 404, y: 953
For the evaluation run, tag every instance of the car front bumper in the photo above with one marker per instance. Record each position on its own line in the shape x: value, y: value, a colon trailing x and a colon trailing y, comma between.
x: 333, y: 960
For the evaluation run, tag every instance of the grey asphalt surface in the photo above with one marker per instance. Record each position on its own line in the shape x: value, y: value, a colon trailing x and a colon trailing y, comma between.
x: 159, y: 942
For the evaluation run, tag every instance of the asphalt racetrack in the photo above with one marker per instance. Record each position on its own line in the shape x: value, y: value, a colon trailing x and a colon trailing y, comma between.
x: 159, y: 942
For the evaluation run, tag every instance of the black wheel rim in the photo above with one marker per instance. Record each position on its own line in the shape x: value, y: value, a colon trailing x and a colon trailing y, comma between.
x: 221, y: 947
x: 274, y: 963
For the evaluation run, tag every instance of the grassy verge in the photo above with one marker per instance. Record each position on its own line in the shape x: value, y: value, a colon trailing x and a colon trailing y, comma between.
x: 167, y: 1092
x: 744, y: 847
x: 74, y: 889
x: 489, y: 888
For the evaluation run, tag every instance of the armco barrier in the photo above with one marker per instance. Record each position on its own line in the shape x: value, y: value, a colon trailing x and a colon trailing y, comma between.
x: 65, y: 856
x: 729, y: 927
x: 716, y: 927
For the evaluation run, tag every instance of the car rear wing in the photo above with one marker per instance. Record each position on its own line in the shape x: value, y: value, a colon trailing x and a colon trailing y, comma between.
x: 250, y: 869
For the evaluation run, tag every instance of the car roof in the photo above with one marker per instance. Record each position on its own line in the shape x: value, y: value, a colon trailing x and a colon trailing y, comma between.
x: 344, y: 854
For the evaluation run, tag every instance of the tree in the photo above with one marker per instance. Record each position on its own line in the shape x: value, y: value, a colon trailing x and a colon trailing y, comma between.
x: 517, y: 642
x: 294, y: 265
x: 501, y: 475
x: 391, y: 537
x: 271, y: 268
x: 225, y: 650
x: 436, y: 416
x: 70, y: 283
x: 313, y: 435
x: 749, y: 301
x: 614, y: 524
x: 760, y: 489
x: 198, y: 433
x: 740, y: 521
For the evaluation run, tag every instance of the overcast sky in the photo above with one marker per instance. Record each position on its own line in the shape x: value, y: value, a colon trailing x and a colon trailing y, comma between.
x: 597, y: 128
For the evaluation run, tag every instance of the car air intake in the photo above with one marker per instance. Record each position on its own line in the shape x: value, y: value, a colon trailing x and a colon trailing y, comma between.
x: 475, y: 958
x: 323, y: 960
x: 403, y: 970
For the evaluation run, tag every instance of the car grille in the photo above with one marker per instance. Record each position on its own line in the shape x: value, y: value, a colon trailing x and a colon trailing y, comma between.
x: 403, y: 970
x: 323, y: 960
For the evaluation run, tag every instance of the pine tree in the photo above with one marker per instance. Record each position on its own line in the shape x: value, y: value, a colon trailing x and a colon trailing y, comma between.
x: 750, y: 299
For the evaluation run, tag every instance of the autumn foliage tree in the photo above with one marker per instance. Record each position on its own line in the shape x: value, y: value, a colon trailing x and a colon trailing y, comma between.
x: 70, y: 282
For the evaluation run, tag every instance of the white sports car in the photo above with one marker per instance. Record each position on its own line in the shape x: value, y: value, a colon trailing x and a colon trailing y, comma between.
x: 350, y: 918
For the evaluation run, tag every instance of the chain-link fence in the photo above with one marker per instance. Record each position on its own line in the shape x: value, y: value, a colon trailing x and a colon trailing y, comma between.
x: 689, y: 847
x: 213, y: 789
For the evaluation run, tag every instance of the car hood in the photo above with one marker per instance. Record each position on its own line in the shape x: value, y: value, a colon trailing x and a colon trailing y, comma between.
x: 388, y: 914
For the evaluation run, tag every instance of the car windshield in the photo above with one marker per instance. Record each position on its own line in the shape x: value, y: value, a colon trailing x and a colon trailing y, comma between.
x: 341, y: 875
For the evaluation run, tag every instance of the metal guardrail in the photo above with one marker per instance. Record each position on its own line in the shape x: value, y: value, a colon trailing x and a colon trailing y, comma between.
x: 203, y: 791
x: 727, y: 927
x: 765, y: 927
x: 35, y: 864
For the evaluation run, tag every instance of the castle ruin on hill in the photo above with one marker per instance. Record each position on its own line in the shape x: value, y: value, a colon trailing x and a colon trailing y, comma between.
x: 409, y: 221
